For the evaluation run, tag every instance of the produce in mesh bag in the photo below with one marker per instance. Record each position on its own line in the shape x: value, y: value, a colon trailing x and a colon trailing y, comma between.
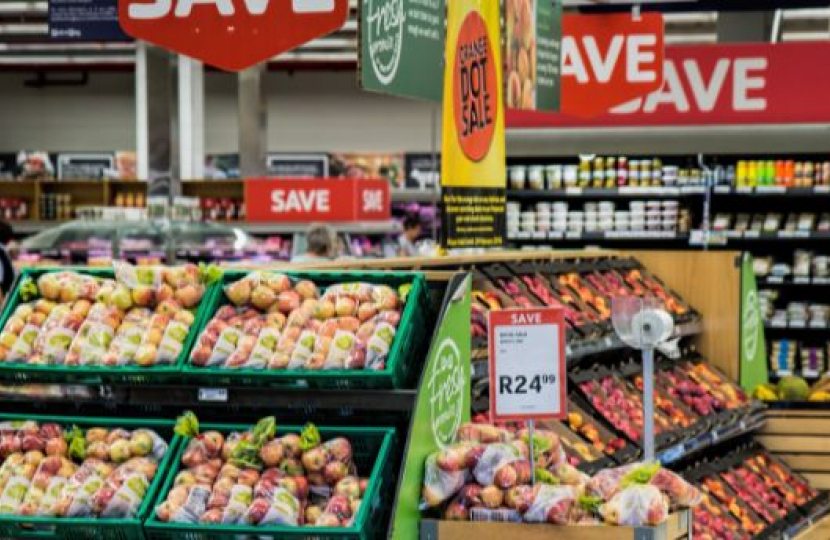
x: 184, y: 504
x: 34, y: 355
x: 552, y: 504
x: 680, y: 492
x: 54, y: 339
x: 440, y: 484
x: 483, y: 433
x: 25, y: 318
x: 282, y: 508
x: 606, y: 483
x: 76, y: 495
x: 503, y: 464
x: 636, y: 505
x: 124, y: 488
x: 52, y: 467
x: 93, y: 339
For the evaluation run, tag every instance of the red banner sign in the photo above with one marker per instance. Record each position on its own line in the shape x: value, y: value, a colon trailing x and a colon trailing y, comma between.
x: 231, y: 34
x: 720, y: 85
x: 304, y: 201
x: 608, y: 60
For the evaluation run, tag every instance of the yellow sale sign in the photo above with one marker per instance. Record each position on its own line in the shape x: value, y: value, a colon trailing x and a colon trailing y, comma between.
x: 473, y: 159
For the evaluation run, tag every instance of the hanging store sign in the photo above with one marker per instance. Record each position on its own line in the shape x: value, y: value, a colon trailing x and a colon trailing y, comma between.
x: 77, y: 166
x: 473, y: 158
x: 402, y: 47
x: 297, y: 165
x: 306, y: 200
x: 231, y: 34
x: 532, y: 43
x: 85, y: 20
x: 718, y: 85
x: 608, y: 60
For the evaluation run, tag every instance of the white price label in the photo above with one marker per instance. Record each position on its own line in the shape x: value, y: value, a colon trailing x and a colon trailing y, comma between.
x: 215, y: 395
x: 527, y: 364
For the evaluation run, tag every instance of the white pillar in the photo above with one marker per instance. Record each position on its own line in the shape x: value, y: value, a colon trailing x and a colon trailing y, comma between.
x: 191, y: 119
x: 142, y: 136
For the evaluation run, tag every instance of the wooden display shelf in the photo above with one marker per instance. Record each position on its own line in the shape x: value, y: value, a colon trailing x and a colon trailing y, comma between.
x: 676, y: 528
x: 820, y: 530
x: 802, y: 439
x: 82, y: 193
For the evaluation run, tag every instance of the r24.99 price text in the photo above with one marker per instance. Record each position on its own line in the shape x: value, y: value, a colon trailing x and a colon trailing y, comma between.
x: 519, y: 384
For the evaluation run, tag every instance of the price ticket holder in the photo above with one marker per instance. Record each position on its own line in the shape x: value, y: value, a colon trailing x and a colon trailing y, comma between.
x: 528, y: 376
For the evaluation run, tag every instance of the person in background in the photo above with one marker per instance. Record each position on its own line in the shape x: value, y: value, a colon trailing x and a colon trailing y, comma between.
x: 321, y: 244
x: 6, y: 266
x: 412, y: 228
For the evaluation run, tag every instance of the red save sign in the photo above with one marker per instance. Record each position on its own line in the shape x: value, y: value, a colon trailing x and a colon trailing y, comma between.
x: 304, y: 201
x: 231, y: 34
x: 608, y: 60
x: 528, y: 374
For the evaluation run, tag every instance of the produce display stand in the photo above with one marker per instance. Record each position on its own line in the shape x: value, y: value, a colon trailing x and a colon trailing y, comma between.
x: 677, y: 527
x: 801, y: 437
x: 710, y: 282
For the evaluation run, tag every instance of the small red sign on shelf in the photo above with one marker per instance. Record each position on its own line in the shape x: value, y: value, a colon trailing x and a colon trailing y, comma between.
x: 528, y: 375
x: 328, y: 199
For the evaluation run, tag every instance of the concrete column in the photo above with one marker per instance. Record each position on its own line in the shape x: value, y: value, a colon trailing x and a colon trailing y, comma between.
x: 154, y: 106
x: 745, y: 26
x: 191, y: 119
x: 253, y: 122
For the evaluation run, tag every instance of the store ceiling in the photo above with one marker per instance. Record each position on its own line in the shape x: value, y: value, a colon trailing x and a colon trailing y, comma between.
x: 24, y: 41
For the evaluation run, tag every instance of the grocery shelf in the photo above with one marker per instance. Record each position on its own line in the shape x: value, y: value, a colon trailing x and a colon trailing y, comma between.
x: 596, y: 236
x: 799, y: 327
x: 748, y: 422
x: 722, y: 238
x: 620, y: 192
x: 773, y: 191
x: 790, y: 281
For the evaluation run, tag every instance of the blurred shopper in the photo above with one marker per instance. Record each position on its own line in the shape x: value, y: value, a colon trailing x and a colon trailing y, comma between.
x: 412, y: 228
x: 321, y: 244
x: 6, y: 266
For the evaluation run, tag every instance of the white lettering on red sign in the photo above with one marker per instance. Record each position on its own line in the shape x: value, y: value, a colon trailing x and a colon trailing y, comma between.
x: 316, y: 200
x: 526, y: 318
x: 161, y: 8
x: 373, y: 200
x: 638, y: 50
x: 748, y: 76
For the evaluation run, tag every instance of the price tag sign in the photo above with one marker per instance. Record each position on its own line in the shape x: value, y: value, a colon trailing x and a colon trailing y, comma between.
x: 527, y: 364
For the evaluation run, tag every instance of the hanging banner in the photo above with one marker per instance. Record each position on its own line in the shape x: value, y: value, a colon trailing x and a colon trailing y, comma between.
x: 402, y: 47
x: 754, y: 370
x: 229, y: 34
x: 307, y: 200
x: 442, y: 405
x: 532, y: 49
x: 718, y: 85
x: 473, y: 159
x: 608, y: 60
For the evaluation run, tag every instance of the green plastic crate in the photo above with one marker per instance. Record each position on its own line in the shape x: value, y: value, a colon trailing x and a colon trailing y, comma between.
x: 26, y: 373
x: 412, y: 331
x: 371, y: 446
x: 94, y: 528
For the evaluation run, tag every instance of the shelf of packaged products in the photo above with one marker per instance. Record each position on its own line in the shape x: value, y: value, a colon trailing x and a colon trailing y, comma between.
x: 791, y: 281
x: 752, y: 419
x: 620, y: 192
x: 773, y: 191
x: 806, y: 326
x: 722, y: 238
x: 665, y: 236
x: 666, y: 192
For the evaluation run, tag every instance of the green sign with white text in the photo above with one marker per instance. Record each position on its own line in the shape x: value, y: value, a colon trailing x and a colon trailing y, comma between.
x: 443, y: 404
x: 402, y: 47
x: 753, y: 345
